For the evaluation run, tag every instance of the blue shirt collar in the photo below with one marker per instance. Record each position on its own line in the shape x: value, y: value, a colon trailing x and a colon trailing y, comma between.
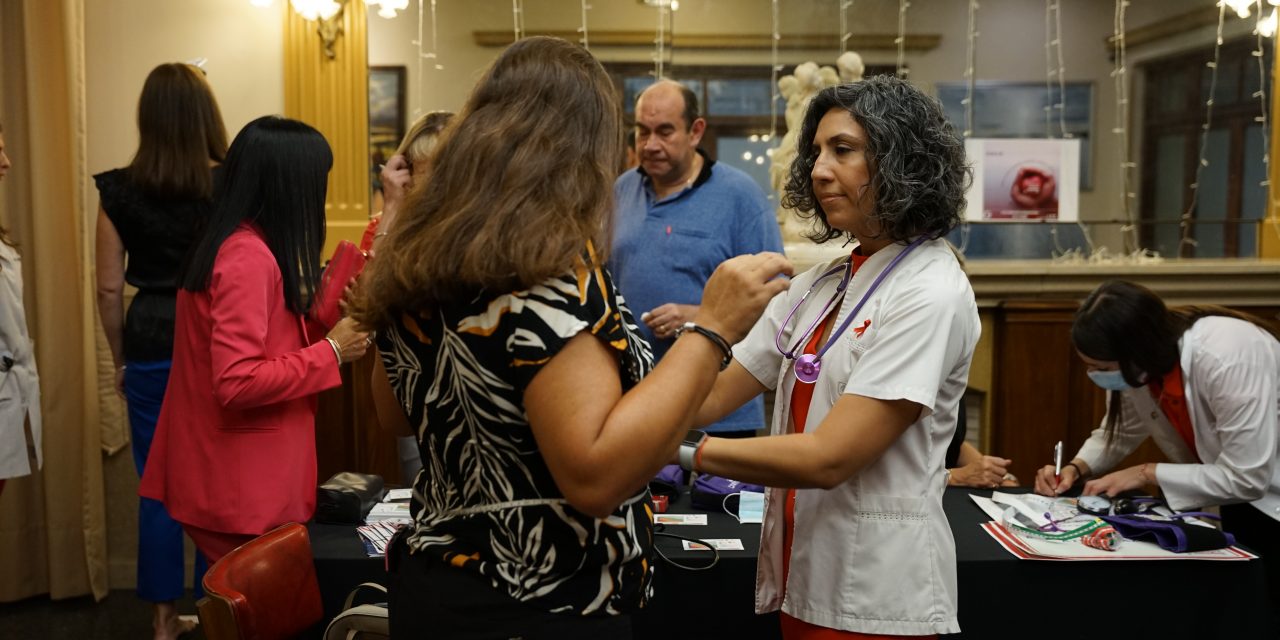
x: 703, y: 176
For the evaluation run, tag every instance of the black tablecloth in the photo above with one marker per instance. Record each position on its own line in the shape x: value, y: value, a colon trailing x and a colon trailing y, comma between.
x: 1000, y: 595
x: 1077, y: 599
x: 717, y: 603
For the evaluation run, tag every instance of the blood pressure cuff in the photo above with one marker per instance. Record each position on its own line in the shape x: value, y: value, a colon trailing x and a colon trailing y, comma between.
x: 1171, y: 535
x: 709, y: 491
x: 669, y: 481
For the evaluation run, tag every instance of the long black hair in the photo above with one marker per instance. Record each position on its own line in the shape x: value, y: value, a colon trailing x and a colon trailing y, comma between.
x: 1129, y: 324
x: 919, y: 172
x: 275, y: 177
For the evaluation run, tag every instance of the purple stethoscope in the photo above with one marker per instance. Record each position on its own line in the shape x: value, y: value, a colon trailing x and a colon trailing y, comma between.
x: 809, y: 364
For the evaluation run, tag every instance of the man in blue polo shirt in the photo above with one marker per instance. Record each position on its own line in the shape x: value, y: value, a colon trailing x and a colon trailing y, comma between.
x: 679, y: 215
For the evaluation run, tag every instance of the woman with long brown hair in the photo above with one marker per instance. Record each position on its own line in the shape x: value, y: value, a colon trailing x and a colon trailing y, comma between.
x: 149, y: 215
x: 521, y: 370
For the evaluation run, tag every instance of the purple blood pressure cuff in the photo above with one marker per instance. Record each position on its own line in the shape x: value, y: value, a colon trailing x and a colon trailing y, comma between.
x: 709, y: 491
x: 1171, y: 535
x: 669, y: 481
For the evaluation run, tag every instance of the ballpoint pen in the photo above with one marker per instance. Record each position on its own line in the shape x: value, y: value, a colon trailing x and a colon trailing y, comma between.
x: 1057, y: 462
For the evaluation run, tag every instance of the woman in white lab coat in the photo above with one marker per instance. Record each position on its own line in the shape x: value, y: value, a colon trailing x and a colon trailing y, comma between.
x: 1203, y: 382
x: 854, y: 539
x: 19, y: 381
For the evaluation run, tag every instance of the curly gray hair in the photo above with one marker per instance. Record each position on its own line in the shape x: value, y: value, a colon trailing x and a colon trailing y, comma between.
x: 918, y: 166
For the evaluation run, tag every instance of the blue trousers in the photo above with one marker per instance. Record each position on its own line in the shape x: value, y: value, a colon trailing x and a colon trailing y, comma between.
x: 160, y: 557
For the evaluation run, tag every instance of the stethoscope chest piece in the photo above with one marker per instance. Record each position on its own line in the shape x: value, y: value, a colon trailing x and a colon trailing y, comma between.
x: 807, y: 368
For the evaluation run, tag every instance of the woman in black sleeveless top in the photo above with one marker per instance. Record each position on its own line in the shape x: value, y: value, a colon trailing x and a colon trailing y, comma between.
x: 151, y: 212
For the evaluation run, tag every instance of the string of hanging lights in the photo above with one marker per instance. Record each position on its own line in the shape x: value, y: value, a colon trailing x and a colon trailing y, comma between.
x: 1186, y: 222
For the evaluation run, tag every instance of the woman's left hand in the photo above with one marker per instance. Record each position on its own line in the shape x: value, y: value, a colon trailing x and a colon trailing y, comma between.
x: 397, y: 179
x: 983, y: 473
x: 1117, y: 482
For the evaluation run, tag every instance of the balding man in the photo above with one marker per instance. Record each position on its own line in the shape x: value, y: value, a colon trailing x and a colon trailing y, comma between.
x: 679, y: 214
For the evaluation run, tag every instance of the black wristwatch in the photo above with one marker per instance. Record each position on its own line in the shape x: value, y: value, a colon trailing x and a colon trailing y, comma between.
x: 689, y: 448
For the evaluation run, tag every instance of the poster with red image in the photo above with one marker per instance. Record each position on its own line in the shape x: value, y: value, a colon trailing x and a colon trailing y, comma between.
x: 1024, y: 180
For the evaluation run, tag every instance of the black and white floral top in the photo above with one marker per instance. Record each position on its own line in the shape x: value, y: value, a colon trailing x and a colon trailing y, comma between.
x: 485, y: 500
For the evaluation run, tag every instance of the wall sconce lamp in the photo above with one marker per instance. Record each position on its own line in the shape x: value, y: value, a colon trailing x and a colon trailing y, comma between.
x: 1267, y: 26
x: 388, y: 8
x: 327, y: 14
x: 1241, y: 7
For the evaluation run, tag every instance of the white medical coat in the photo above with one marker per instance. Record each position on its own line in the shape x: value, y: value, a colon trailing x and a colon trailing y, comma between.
x: 20, y: 386
x: 875, y: 554
x: 1231, y: 380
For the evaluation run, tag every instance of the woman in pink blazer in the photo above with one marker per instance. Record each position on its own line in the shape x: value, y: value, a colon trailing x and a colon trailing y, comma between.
x: 234, y: 450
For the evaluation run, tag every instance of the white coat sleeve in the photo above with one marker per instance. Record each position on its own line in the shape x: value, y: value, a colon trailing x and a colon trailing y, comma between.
x: 1130, y: 432
x: 1240, y: 387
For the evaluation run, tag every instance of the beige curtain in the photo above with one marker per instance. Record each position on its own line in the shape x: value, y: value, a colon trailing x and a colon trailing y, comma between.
x: 53, y: 523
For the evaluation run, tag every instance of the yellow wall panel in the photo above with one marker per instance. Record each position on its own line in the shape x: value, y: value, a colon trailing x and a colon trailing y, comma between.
x: 331, y: 94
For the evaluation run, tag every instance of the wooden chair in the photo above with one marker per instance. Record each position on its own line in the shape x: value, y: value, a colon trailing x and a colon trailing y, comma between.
x: 264, y: 589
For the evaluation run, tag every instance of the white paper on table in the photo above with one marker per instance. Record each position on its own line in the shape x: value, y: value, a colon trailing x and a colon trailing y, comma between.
x: 720, y: 544
x: 680, y: 518
x: 1034, y: 506
x: 398, y: 494
x: 1075, y: 550
x: 1031, y: 505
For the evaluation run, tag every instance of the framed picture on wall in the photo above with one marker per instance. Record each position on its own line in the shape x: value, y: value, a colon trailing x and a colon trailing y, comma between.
x: 1017, y: 110
x: 386, y: 119
x: 1023, y: 180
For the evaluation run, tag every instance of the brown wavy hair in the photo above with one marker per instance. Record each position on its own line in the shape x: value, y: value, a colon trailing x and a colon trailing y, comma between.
x: 919, y: 171
x: 180, y: 130
x: 519, y: 186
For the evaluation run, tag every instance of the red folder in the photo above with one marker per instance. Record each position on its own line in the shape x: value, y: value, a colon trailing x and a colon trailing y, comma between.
x: 348, y: 260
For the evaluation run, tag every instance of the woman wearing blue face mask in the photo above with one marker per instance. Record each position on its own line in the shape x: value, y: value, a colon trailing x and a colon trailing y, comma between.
x: 1204, y: 383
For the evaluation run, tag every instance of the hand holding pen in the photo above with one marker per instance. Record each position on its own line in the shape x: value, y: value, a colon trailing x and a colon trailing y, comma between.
x: 1054, y: 479
x: 1057, y: 462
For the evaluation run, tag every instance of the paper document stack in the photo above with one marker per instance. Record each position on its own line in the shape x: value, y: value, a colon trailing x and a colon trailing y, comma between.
x: 388, y: 511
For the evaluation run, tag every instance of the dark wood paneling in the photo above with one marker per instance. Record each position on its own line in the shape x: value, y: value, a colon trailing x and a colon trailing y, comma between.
x: 348, y: 435
x: 1042, y: 391
x: 1036, y: 403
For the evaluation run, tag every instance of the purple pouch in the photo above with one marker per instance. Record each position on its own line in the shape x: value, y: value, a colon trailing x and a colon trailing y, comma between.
x: 709, y: 492
x: 669, y: 481
x: 1171, y: 535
